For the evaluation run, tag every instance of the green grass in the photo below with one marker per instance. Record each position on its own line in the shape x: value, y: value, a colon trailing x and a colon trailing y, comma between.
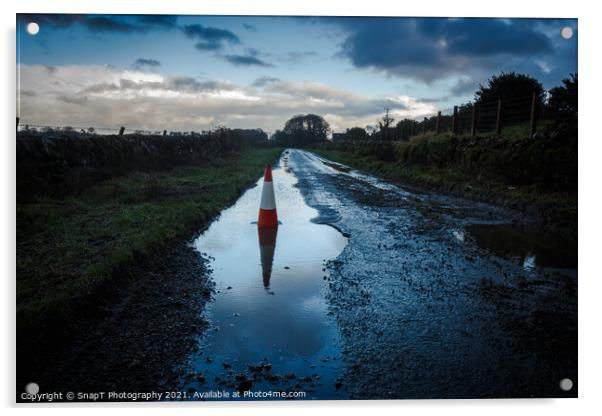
x: 68, y: 247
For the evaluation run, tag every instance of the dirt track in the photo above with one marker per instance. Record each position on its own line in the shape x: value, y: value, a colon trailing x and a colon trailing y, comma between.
x: 425, y: 311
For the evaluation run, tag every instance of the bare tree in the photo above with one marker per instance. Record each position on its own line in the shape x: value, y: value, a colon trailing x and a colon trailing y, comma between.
x: 384, y: 124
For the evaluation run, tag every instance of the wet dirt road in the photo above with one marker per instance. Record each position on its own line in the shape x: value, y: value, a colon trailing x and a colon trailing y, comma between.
x: 371, y: 290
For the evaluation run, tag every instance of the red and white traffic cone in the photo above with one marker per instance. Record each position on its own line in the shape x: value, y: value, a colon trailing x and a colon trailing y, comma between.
x: 267, y: 209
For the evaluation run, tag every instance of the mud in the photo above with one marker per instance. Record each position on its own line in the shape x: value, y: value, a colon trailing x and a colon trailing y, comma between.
x: 424, y: 310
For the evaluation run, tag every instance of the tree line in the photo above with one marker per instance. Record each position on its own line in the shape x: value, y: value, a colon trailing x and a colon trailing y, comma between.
x: 559, y: 104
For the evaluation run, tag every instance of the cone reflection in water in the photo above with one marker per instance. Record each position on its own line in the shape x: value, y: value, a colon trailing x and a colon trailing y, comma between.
x: 267, y: 246
x: 267, y: 207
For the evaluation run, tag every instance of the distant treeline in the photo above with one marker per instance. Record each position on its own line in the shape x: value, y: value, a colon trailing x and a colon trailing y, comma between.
x: 508, y: 100
x: 64, y: 162
x: 302, y: 130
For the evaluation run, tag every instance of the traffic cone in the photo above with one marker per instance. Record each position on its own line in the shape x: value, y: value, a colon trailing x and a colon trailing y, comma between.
x: 267, y: 209
x: 267, y: 246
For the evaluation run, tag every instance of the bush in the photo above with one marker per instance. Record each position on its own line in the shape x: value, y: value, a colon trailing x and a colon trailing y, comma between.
x: 549, y: 162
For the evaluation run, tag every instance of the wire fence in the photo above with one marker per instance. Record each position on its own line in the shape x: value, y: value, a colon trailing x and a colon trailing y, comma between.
x: 519, y: 116
x: 527, y: 112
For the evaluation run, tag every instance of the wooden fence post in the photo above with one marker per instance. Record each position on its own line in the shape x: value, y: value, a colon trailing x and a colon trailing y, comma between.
x: 121, y: 130
x: 533, y: 123
x: 498, y: 121
x: 424, y: 127
x: 473, y: 121
x: 17, y: 123
x: 438, y: 127
x: 454, y: 126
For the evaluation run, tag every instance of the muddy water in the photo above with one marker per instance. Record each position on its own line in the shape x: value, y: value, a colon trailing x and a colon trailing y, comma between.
x: 527, y: 245
x: 269, y: 324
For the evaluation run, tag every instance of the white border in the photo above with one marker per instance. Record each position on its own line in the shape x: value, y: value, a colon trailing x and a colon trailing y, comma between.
x: 590, y: 158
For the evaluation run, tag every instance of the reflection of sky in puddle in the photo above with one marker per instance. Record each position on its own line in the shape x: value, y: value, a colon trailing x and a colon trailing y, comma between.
x: 529, y: 262
x: 328, y: 166
x: 459, y: 235
x: 286, y: 324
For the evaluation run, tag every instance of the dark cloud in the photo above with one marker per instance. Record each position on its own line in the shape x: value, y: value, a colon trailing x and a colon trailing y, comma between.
x: 265, y: 80
x: 77, y: 100
x: 52, y: 20
x: 101, y: 87
x: 297, y: 57
x: 463, y: 87
x: 250, y: 57
x: 246, y: 60
x: 432, y: 100
x: 103, y: 23
x: 192, y: 85
x: 210, y: 38
x: 249, y: 27
x: 431, y: 48
x: 158, y: 20
x: 486, y: 37
x: 110, y: 24
x: 290, y: 57
x: 176, y: 83
x: 146, y: 63
x: 207, y: 38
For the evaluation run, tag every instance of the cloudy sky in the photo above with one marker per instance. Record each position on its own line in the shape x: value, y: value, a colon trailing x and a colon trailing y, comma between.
x: 196, y: 72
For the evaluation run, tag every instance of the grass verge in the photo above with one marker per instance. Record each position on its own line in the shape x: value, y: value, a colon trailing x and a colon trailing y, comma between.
x: 69, y: 247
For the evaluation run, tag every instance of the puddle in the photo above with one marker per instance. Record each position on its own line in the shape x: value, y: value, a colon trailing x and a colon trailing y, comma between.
x: 459, y: 235
x: 337, y: 166
x: 530, y: 247
x: 269, y: 322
